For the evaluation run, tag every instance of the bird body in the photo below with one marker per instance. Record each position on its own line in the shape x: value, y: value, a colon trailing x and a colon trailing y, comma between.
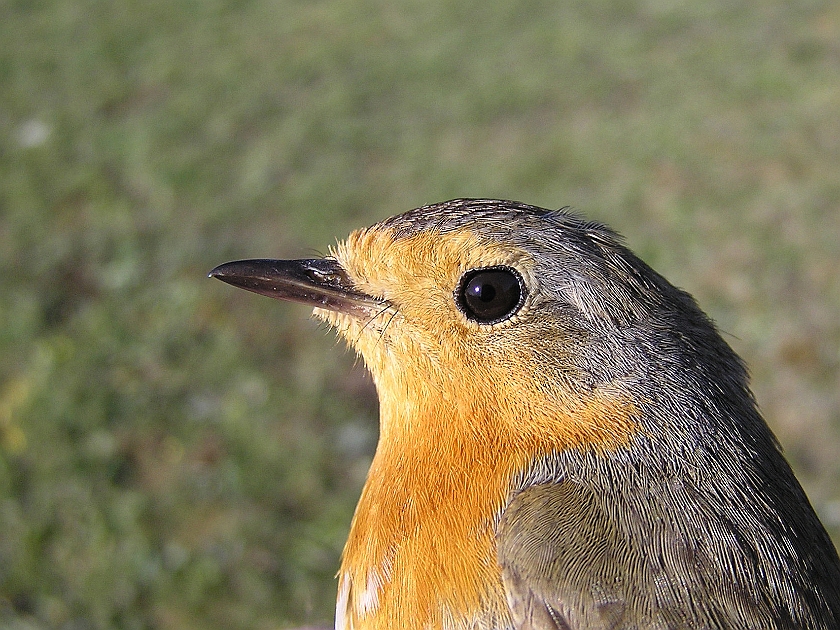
x: 566, y: 442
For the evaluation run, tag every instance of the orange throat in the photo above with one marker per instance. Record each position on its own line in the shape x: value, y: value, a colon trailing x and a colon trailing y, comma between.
x: 421, y: 551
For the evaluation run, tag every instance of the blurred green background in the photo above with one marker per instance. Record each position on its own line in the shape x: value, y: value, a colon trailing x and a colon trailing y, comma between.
x: 177, y: 454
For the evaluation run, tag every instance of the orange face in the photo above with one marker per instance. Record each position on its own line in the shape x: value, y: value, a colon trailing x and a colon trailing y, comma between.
x: 464, y: 407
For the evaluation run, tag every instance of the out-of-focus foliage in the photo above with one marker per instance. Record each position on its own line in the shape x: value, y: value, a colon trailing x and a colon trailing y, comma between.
x: 177, y: 454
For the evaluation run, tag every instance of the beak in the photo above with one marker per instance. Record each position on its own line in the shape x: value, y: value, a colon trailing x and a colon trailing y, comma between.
x: 318, y: 282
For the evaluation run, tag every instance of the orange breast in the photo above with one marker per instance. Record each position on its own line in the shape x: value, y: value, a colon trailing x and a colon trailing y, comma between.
x: 421, y: 551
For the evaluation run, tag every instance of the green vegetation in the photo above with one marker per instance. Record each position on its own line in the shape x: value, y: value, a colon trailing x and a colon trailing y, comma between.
x: 176, y: 454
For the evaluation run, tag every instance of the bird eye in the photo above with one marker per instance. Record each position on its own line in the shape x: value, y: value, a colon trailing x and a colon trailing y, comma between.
x: 490, y: 295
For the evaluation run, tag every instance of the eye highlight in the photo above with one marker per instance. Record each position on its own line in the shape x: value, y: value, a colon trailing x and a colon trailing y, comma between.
x: 490, y: 295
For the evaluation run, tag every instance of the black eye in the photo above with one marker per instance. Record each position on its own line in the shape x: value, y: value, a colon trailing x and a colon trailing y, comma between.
x: 490, y: 295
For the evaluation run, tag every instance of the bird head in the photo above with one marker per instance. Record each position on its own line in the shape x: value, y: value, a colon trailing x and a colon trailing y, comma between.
x: 513, y: 346
x: 499, y: 312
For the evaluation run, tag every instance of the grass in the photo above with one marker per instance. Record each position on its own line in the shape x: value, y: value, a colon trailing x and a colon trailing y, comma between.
x: 177, y: 454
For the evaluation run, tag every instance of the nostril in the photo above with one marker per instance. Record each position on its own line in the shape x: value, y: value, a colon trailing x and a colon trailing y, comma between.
x: 328, y: 271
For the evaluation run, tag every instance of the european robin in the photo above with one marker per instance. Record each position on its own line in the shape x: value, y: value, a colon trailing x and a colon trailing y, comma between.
x: 566, y: 441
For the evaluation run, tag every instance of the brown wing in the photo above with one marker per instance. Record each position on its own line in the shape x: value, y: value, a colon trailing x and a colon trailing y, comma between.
x: 563, y: 564
x: 573, y: 559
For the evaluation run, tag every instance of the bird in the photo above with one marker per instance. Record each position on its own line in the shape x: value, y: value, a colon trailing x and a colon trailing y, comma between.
x: 566, y: 441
